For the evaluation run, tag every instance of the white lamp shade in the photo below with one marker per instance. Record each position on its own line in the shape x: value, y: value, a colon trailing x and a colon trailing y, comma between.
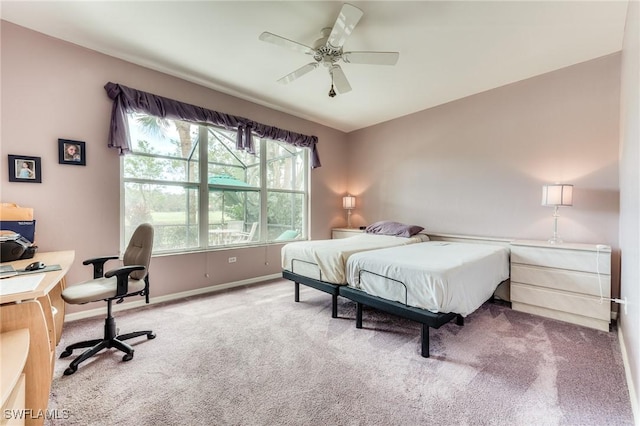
x: 557, y: 195
x: 349, y: 202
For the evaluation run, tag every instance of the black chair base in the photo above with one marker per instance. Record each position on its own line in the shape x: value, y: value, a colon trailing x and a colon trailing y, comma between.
x: 110, y: 340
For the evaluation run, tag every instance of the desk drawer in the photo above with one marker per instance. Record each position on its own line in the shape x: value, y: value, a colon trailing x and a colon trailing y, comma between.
x: 15, y: 405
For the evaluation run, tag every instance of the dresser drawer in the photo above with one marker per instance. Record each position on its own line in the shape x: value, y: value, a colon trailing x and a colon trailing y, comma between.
x: 336, y: 234
x: 602, y: 325
x: 586, y: 306
x: 576, y: 260
x: 562, y: 279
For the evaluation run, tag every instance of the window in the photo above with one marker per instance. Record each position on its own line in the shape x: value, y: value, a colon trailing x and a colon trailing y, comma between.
x: 232, y: 198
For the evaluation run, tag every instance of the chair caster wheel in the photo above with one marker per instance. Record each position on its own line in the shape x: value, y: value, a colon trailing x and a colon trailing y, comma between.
x: 69, y: 371
x: 151, y: 336
x: 65, y: 353
x: 127, y: 357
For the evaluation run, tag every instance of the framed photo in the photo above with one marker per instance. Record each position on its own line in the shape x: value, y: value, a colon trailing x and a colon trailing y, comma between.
x: 24, y: 169
x: 72, y: 152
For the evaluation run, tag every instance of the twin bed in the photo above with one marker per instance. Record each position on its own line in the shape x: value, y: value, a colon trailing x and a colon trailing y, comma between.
x: 321, y: 264
x: 430, y: 282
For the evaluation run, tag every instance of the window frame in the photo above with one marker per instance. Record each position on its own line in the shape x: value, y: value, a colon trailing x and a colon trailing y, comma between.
x: 203, y: 188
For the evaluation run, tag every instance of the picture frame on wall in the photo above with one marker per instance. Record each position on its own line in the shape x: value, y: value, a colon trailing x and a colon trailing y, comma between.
x: 72, y: 152
x: 23, y: 168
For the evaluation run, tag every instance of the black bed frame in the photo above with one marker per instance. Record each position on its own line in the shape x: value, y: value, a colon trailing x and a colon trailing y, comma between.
x: 332, y: 289
x: 424, y: 317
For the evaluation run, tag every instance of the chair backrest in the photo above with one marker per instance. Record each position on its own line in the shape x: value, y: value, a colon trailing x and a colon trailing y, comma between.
x: 138, y: 251
x: 252, y: 232
x: 235, y: 225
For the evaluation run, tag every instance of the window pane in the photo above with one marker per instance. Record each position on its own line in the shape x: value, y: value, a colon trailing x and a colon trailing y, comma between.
x: 232, y: 215
x: 234, y: 167
x: 285, y: 166
x: 167, y: 149
x: 285, y: 216
x: 172, y: 210
x: 158, y: 168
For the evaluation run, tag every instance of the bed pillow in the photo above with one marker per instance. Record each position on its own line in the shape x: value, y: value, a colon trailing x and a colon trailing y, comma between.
x: 387, y: 227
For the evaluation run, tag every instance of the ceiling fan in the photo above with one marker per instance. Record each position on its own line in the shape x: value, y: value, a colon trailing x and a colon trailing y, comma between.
x: 327, y: 51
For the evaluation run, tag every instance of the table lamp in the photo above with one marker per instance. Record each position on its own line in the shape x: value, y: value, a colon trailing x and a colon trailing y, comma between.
x: 348, y: 203
x: 557, y: 195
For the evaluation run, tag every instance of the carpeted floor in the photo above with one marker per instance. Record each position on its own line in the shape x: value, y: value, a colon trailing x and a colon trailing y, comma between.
x: 252, y: 356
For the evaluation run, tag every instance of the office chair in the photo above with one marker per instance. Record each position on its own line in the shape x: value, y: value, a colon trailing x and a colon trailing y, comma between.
x: 132, y: 279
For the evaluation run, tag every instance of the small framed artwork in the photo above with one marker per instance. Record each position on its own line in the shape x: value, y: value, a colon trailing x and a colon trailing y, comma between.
x: 24, y: 169
x: 72, y: 152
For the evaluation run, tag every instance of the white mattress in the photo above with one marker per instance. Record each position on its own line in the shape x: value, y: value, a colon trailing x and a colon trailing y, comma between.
x: 439, y: 276
x: 326, y: 259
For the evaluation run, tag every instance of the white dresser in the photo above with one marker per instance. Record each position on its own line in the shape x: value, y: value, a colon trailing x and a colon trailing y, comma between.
x: 562, y: 281
x: 345, y: 232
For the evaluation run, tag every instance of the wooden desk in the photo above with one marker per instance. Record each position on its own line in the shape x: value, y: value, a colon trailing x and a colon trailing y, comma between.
x: 41, y: 311
x: 14, y: 349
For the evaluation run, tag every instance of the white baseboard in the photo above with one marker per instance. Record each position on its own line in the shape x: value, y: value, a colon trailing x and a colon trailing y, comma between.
x: 168, y: 297
x: 630, y: 384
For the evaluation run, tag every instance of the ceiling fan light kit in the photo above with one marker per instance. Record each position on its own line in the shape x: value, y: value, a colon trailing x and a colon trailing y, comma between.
x: 328, y: 51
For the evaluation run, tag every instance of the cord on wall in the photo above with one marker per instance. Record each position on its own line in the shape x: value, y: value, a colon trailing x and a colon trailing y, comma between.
x: 602, y: 298
x: 598, y: 248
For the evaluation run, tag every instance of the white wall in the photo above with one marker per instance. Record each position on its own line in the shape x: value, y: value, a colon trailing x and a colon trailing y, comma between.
x: 630, y: 197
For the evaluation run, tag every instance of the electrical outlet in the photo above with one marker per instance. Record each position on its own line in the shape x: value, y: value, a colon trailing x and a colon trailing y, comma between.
x: 232, y: 260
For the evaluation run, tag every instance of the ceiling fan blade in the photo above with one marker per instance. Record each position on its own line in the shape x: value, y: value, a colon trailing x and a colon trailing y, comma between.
x: 285, y: 42
x: 339, y: 79
x: 372, y: 58
x: 345, y: 23
x: 298, y: 73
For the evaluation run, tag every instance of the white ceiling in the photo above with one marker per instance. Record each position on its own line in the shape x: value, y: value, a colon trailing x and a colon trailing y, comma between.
x: 448, y: 49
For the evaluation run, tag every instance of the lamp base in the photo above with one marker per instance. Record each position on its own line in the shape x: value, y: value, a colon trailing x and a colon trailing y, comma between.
x: 555, y: 239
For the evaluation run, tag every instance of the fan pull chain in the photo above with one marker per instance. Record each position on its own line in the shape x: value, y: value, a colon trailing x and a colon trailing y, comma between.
x: 332, y: 93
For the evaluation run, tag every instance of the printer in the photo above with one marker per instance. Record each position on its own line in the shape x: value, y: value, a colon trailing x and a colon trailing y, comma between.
x: 15, y: 246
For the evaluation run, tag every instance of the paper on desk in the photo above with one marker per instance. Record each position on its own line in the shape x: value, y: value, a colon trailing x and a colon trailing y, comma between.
x: 20, y: 284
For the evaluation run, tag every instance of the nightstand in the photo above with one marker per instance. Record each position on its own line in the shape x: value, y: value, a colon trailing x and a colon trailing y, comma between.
x: 345, y: 232
x: 562, y: 281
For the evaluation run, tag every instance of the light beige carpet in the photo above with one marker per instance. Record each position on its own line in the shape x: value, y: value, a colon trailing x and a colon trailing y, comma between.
x: 252, y: 356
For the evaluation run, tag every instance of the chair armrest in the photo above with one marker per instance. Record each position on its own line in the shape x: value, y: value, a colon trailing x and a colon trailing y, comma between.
x: 122, y: 275
x: 98, y: 265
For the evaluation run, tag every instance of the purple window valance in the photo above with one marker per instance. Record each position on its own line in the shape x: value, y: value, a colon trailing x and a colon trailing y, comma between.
x: 126, y: 99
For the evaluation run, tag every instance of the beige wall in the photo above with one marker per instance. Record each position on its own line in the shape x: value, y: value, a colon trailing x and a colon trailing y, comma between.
x: 52, y: 89
x: 630, y: 197
x: 476, y: 166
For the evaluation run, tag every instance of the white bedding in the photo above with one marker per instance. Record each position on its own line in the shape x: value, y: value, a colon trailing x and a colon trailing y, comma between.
x: 326, y: 259
x: 439, y: 276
